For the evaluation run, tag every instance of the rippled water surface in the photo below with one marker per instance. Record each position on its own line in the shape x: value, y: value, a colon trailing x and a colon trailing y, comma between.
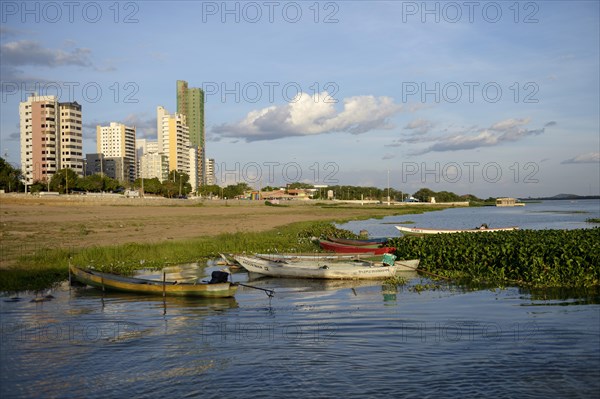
x: 312, y: 339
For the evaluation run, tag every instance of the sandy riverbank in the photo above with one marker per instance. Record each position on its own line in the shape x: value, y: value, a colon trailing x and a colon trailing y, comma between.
x: 31, y: 223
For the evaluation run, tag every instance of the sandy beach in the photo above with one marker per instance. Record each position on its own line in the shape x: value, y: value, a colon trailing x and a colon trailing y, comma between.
x: 31, y: 223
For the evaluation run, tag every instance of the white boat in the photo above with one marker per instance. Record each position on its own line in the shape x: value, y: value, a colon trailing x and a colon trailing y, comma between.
x: 317, y: 256
x: 425, y: 231
x: 324, y: 269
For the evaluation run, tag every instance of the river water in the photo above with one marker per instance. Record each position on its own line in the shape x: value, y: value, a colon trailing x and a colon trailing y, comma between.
x: 315, y: 338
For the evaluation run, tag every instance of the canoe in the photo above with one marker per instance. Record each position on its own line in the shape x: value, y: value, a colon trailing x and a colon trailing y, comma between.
x: 341, y: 248
x: 323, y: 269
x: 359, y: 243
x: 316, y: 256
x: 424, y: 231
x: 115, y: 282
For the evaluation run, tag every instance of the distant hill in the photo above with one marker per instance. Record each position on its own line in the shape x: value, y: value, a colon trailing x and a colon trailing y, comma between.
x: 564, y: 197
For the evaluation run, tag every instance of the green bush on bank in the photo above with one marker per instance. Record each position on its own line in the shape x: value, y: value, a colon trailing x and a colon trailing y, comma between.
x: 539, y: 258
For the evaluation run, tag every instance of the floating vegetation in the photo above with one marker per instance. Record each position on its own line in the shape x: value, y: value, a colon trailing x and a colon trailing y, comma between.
x: 593, y: 220
x: 396, y: 280
x: 536, y: 258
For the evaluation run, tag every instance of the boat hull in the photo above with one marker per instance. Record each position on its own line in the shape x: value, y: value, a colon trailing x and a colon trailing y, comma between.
x: 371, y: 242
x: 425, y: 231
x: 140, y: 286
x: 324, y: 269
x: 341, y: 248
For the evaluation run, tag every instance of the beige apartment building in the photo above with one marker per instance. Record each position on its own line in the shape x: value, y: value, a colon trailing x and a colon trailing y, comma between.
x: 173, y: 139
x: 51, y: 137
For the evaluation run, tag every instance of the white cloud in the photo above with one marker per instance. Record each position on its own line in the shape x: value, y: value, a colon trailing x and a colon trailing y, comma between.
x: 28, y: 52
x: 309, y: 115
x: 419, y: 126
x: 508, y: 130
x: 590, y: 157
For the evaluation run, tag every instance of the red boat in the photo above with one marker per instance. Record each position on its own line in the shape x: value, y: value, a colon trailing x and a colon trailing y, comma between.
x: 341, y: 248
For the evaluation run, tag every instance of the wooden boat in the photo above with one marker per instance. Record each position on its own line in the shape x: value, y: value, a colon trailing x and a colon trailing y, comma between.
x: 341, y: 248
x: 316, y: 256
x: 115, y: 282
x: 324, y: 270
x: 358, y: 242
x: 424, y: 231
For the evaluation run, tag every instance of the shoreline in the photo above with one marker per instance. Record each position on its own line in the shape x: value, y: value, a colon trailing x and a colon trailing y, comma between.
x: 29, y: 224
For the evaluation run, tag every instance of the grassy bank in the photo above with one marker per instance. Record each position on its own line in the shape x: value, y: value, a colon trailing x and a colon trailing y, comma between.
x: 49, y: 266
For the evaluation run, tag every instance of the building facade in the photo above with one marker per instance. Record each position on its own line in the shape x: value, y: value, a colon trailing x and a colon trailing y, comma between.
x: 51, y: 137
x: 173, y: 139
x: 190, y: 102
x: 118, y: 143
x: 154, y: 165
x: 210, y: 172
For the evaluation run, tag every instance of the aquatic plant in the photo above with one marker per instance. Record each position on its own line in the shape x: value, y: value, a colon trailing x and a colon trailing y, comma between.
x: 539, y: 258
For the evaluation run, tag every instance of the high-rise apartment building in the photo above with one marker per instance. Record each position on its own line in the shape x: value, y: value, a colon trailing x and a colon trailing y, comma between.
x: 51, y: 137
x: 173, y: 139
x: 118, y: 141
x: 210, y: 172
x: 190, y: 102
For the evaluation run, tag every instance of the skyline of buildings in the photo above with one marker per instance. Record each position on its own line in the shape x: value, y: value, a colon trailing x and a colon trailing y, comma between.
x: 51, y: 140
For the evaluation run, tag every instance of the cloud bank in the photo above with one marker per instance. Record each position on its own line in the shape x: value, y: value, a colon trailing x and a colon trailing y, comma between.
x: 307, y: 115
x: 509, y: 130
x: 590, y: 157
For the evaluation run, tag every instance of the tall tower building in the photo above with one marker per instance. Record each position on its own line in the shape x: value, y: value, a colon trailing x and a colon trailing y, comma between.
x: 118, y: 141
x: 173, y: 139
x: 51, y: 137
x: 190, y: 102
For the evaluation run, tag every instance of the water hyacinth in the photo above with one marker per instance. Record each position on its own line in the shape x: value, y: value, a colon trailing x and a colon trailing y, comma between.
x: 539, y: 258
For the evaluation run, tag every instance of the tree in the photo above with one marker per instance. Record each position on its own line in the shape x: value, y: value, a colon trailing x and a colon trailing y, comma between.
x: 181, y: 180
x: 424, y: 194
x: 64, y: 180
x: 209, y: 190
x: 296, y: 185
x: 232, y: 191
x: 169, y: 188
x: 151, y: 186
x: 91, y: 183
x: 37, y: 187
x: 10, y: 178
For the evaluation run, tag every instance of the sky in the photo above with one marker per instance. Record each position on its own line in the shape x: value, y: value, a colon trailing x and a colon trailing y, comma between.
x: 486, y: 98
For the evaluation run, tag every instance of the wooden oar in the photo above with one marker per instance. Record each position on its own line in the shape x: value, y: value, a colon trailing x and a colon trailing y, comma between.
x: 270, y: 293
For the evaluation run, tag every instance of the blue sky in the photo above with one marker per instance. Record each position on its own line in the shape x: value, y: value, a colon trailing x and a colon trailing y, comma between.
x: 489, y: 98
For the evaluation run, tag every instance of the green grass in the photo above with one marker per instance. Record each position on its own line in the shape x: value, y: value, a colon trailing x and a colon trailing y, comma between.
x: 48, y: 266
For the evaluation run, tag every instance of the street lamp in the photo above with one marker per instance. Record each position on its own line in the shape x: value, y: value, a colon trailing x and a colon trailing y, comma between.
x: 388, y: 187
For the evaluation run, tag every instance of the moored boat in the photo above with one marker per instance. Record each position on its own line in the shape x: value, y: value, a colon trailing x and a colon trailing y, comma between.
x: 341, y: 248
x: 359, y: 242
x: 425, y: 231
x: 115, y: 282
x: 325, y: 270
x: 293, y: 256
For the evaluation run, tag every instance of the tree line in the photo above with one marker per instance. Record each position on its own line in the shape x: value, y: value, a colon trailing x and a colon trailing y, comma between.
x: 177, y: 184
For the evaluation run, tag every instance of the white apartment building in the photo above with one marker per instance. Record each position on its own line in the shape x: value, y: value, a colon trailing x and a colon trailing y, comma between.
x: 210, y: 172
x: 153, y: 165
x: 51, y: 137
x: 118, y: 141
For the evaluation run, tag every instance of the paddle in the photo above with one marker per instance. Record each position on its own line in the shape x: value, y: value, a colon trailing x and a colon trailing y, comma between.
x: 270, y: 293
